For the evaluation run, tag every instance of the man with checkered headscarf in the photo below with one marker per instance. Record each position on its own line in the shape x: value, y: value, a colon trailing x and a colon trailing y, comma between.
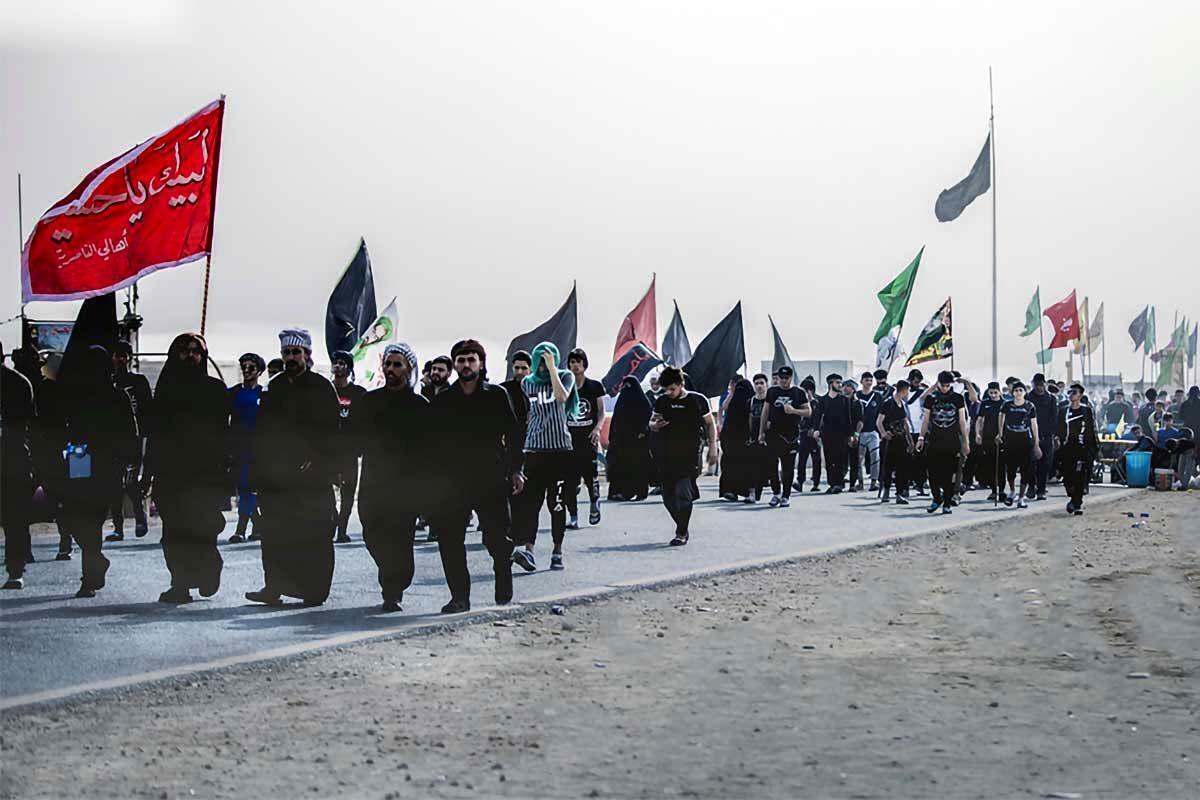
x: 296, y: 448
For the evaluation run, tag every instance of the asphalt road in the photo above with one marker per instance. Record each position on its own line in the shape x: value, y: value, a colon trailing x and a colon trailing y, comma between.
x: 54, y: 644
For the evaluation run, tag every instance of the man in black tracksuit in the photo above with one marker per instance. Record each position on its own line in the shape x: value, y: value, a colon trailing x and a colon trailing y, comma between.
x: 478, y: 467
x: 838, y: 418
x: 1075, y: 434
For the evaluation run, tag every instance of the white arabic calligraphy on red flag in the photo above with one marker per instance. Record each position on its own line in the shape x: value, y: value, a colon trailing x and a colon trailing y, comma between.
x: 148, y: 209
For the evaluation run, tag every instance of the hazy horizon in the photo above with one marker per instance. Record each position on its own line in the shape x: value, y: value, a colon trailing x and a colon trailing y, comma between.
x: 492, y: 153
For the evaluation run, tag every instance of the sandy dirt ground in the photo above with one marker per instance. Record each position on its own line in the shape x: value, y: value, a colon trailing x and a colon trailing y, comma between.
x: 1058, y: 659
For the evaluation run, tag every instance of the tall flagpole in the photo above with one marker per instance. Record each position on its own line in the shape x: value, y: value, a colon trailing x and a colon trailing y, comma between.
x: 992, y: 138
x: 20, y: 253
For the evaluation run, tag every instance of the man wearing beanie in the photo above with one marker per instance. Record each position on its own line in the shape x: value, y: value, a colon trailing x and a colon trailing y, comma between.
x: 943, y: 439
x: 293, y: 470
x: 347, y: 480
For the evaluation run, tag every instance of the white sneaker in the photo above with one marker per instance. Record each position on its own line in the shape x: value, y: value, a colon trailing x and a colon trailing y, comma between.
x: 785, y: 502
x: 775, y: 500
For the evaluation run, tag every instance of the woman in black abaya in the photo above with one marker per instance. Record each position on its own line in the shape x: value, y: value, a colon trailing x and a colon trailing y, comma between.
x: 188, y: 457
x: 737, y: 474
x: 629, y: 469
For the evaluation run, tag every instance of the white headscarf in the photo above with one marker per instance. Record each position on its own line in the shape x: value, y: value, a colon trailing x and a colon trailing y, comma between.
x: 410, y: 355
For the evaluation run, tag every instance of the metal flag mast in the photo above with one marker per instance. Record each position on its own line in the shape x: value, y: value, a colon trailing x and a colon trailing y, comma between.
x: 992, y: 137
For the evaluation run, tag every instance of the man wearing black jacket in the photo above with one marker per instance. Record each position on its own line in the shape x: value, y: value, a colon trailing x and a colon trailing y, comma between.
x: 478, y: 467
x: 1046, y: 405
x: 390, y: 430
x: 838, y: 416
x: 810, y: 441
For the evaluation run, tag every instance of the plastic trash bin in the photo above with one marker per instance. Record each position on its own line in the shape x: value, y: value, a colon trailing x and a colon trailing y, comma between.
x: 1137, y: 469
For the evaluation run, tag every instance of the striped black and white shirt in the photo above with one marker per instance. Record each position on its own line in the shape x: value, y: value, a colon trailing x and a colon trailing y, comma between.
x: 547, y: 431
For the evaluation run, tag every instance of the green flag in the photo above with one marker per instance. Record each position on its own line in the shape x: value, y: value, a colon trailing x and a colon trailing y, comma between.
x: 936, y: 340
x: 1044, y: 357
x: 894, y: 298
x: 1148, y: 342
x: 1033, y: 314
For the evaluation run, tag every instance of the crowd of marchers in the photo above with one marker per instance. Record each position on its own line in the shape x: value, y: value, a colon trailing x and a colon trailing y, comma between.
x: 438, y: 445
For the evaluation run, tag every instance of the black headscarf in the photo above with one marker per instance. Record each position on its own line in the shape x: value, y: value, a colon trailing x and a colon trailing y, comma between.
x: 631, y: 414
x: 737, y: 413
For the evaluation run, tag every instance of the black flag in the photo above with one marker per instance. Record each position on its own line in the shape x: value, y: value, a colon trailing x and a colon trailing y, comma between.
x: 96, y: 324
x: 781, y: 357
x: 951, y: 202
x: 1138, y: 328
x: 351, y: 308
x: 559, y: 329
x: 637, y: 362
x: 719, y: 356
x: 676, y: 350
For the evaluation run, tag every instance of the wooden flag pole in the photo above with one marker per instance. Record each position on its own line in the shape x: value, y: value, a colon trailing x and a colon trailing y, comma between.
x: 204, y: 302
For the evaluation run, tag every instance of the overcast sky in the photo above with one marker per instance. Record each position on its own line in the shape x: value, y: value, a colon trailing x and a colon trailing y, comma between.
x: 784, y: 154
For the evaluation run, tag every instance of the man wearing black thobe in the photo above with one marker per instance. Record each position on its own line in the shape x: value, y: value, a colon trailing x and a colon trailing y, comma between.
x: 17, y: 415
x: 294, y: 466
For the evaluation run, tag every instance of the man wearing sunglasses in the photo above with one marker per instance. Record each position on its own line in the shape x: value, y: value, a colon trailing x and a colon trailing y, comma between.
x: 296, y: 461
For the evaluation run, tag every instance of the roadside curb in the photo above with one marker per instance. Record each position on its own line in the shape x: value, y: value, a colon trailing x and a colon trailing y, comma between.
x: 14, y: 707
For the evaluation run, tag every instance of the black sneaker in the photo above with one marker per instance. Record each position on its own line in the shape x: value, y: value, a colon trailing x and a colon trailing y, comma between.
x: 456, y: 607
x: 933, y: 507
x: 14, y: 583
x: 264, y: 597
x: 237, y: 538
x: 901, y: 500
x: 991, y: 498
x: 175, y: 596
x: 524, y: 559
x: 594, y: 516
x: 391, y: 605
x: 556, y: 562
x: 946, y: 509
x: 141, y: 529
x: 115, y: 536
x: 1007, y: 499
x: 816, y: 487
x: 1040, y: 496
x: 63, y: 555
x: 679, y: 541
x: 342, y: 538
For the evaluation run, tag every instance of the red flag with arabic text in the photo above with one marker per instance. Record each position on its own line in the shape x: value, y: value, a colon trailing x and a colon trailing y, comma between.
x: 149, y: 208
x: 1064, y: 316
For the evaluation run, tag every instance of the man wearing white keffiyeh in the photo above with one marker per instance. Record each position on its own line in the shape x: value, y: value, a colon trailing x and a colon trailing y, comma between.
x: 390, y: 429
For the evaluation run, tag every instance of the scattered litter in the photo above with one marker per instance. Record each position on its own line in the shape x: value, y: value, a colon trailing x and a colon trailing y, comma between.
x: 1136, y: 525
x: 600, y: 665
x: 501, y: 623
x: 1146, y: 514
x: 1129, y: 514
x: 1061, y: 796
x: 1065, y: 654
x: 558, y: 611
x: 1032, y: 591
x: 703, y: 608
x: 1138, y: 675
